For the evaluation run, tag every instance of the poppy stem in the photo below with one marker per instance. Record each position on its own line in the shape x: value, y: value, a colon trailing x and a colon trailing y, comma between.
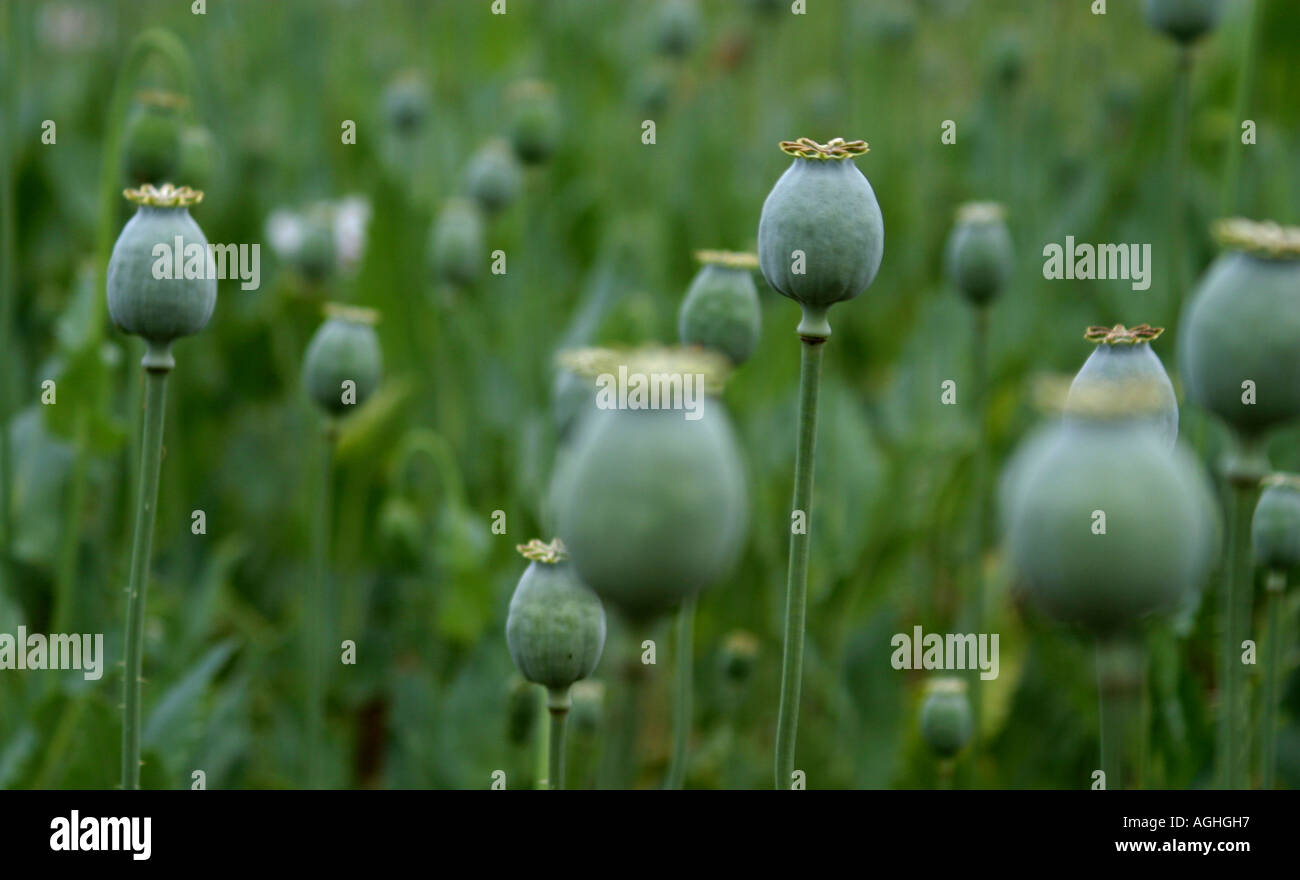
x: 682, y: 701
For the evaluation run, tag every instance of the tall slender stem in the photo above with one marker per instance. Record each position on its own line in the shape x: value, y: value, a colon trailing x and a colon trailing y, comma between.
x: 155, y: 378
x: 1121, y: 670
x: 1178, y: 163
x: 979, y: 395
x: 317, y: 607
x: 796, y: 586
x: 1245, y: 86
x: 1276, y: 589
x: 682, y: 701
x: 7, y: 249
x: 1243, y: 472
x: 557, y: 703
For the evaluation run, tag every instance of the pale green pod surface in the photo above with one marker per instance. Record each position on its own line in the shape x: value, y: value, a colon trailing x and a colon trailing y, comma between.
x: 1275, y: 530
x: 652, y: 505
x: 1183, y: 20
x: 161, y: 309
x: 534, y: 123
x: 1241, y: 326
x: 317, y: 255
x: 151, y: 146
x: 821, y: 235
x: 588, y: 707
x: 494, y: 177
x: 721, y: 312
x: 556, y: 626
x: 1116, y: 367
x: 946, y: 719
x: 1108, y: 526
x: 979, y: 257
x: 459, y: 252
x: 342, y: 350
x: 406, y: 104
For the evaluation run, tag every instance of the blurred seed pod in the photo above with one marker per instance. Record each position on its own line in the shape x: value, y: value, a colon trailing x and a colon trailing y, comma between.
x: 198, y: 157
x: 588, y: 707
x: 151, y: 139
x: 458, y: 247
x: 1124, y: 356
x: 1183, y: 20
x: 1242, y: 325
x: 402, y: 533
x: 721, y: 310
x: 556, y: 626
x: 343, y: 363
x: 494, y: 177
x: 979, y: 252
x: 738, y: 657
x: 946, y: 720
x: 160, y: 309
x: 677, y: 27
x: 534, y: 121
x: 316, y: 256
x: 1275, y: 530
x: 406, y: 104
x: 1106, y: 526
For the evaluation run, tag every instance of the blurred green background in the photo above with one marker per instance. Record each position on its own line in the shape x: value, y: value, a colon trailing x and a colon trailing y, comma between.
x: 1062, y: 115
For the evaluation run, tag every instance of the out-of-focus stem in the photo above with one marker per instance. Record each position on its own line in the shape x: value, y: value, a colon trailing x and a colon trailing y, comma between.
x: 682, y: 699
x: 316, y: 603
x: 1275, y: 593
x: 557, y: 703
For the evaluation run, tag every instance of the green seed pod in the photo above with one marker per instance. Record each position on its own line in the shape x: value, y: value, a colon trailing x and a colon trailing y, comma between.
x: 521, y: 710
x: 458, y: 247
x: 406, y: 104
x: 534, y: 122
x: 721, y: 309
x: 1242, y: 326
x: 402, y: 535
x: 738, y: 657
x: 556, y: 626
x: 820, y: 235
x: 588, y: 707
x: 197, y: 157
x: 1106, y: 525
x: 651, y: 502
x: 1184, y: 20
x: 677, y: 28
x: 979, y: 254
x: 151, y: 139
x: 494, y: 177
x: 946, y: 720
x: 316, y: 257
x: 343, y: 363
x: 165, y: 308
x: 1275, y: 530
x: 1124, y: 356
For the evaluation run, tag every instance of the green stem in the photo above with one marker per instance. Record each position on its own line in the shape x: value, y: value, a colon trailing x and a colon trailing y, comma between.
x: 542, y: 777
x: 65, y: 584
x: 946, y: 766
x: 317, y: 604
x: 1244, y: 470
x: 796, y: 587
x: 979, y: 396
x: 1178, y: 161
x: 1121, y: 667
x: 557, y: 703
x: 7, y: 249
x: 1245, y: 86
x: 682, y: 703
x: 1276, y: 588
x: 156, y: 371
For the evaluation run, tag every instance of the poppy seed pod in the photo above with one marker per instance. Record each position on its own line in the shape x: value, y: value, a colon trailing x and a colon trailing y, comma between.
x: 721, y: 309
x: 197, y: 157
x: 1275, y: 529
x: 458, y: 247
x: 979, y: 254
x: 151, y: 139
x: 1106, y: 525
x: 588, y: 707
x: 177, y: 304
x: 343, y: 363
x: 1184, y: 20
x: 556, y: 626
x: 406, y: 104
x: 534, y: 122
x: 651, y: 502
x: 946, y: 720
x: 820, y: 235
x: 1123, y: 356
x: 1239, y: 348
x: 494, y: 178
x: 739, y: 656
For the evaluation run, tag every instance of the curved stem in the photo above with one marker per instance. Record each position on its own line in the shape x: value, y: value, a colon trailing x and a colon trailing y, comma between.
x: 1276, y: 588
x: 1121, y: 668
x: 796, y: 586
x: 317, y: 604
x: 141, y: 549
x: 557, y: 703
x: 682, y: 703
